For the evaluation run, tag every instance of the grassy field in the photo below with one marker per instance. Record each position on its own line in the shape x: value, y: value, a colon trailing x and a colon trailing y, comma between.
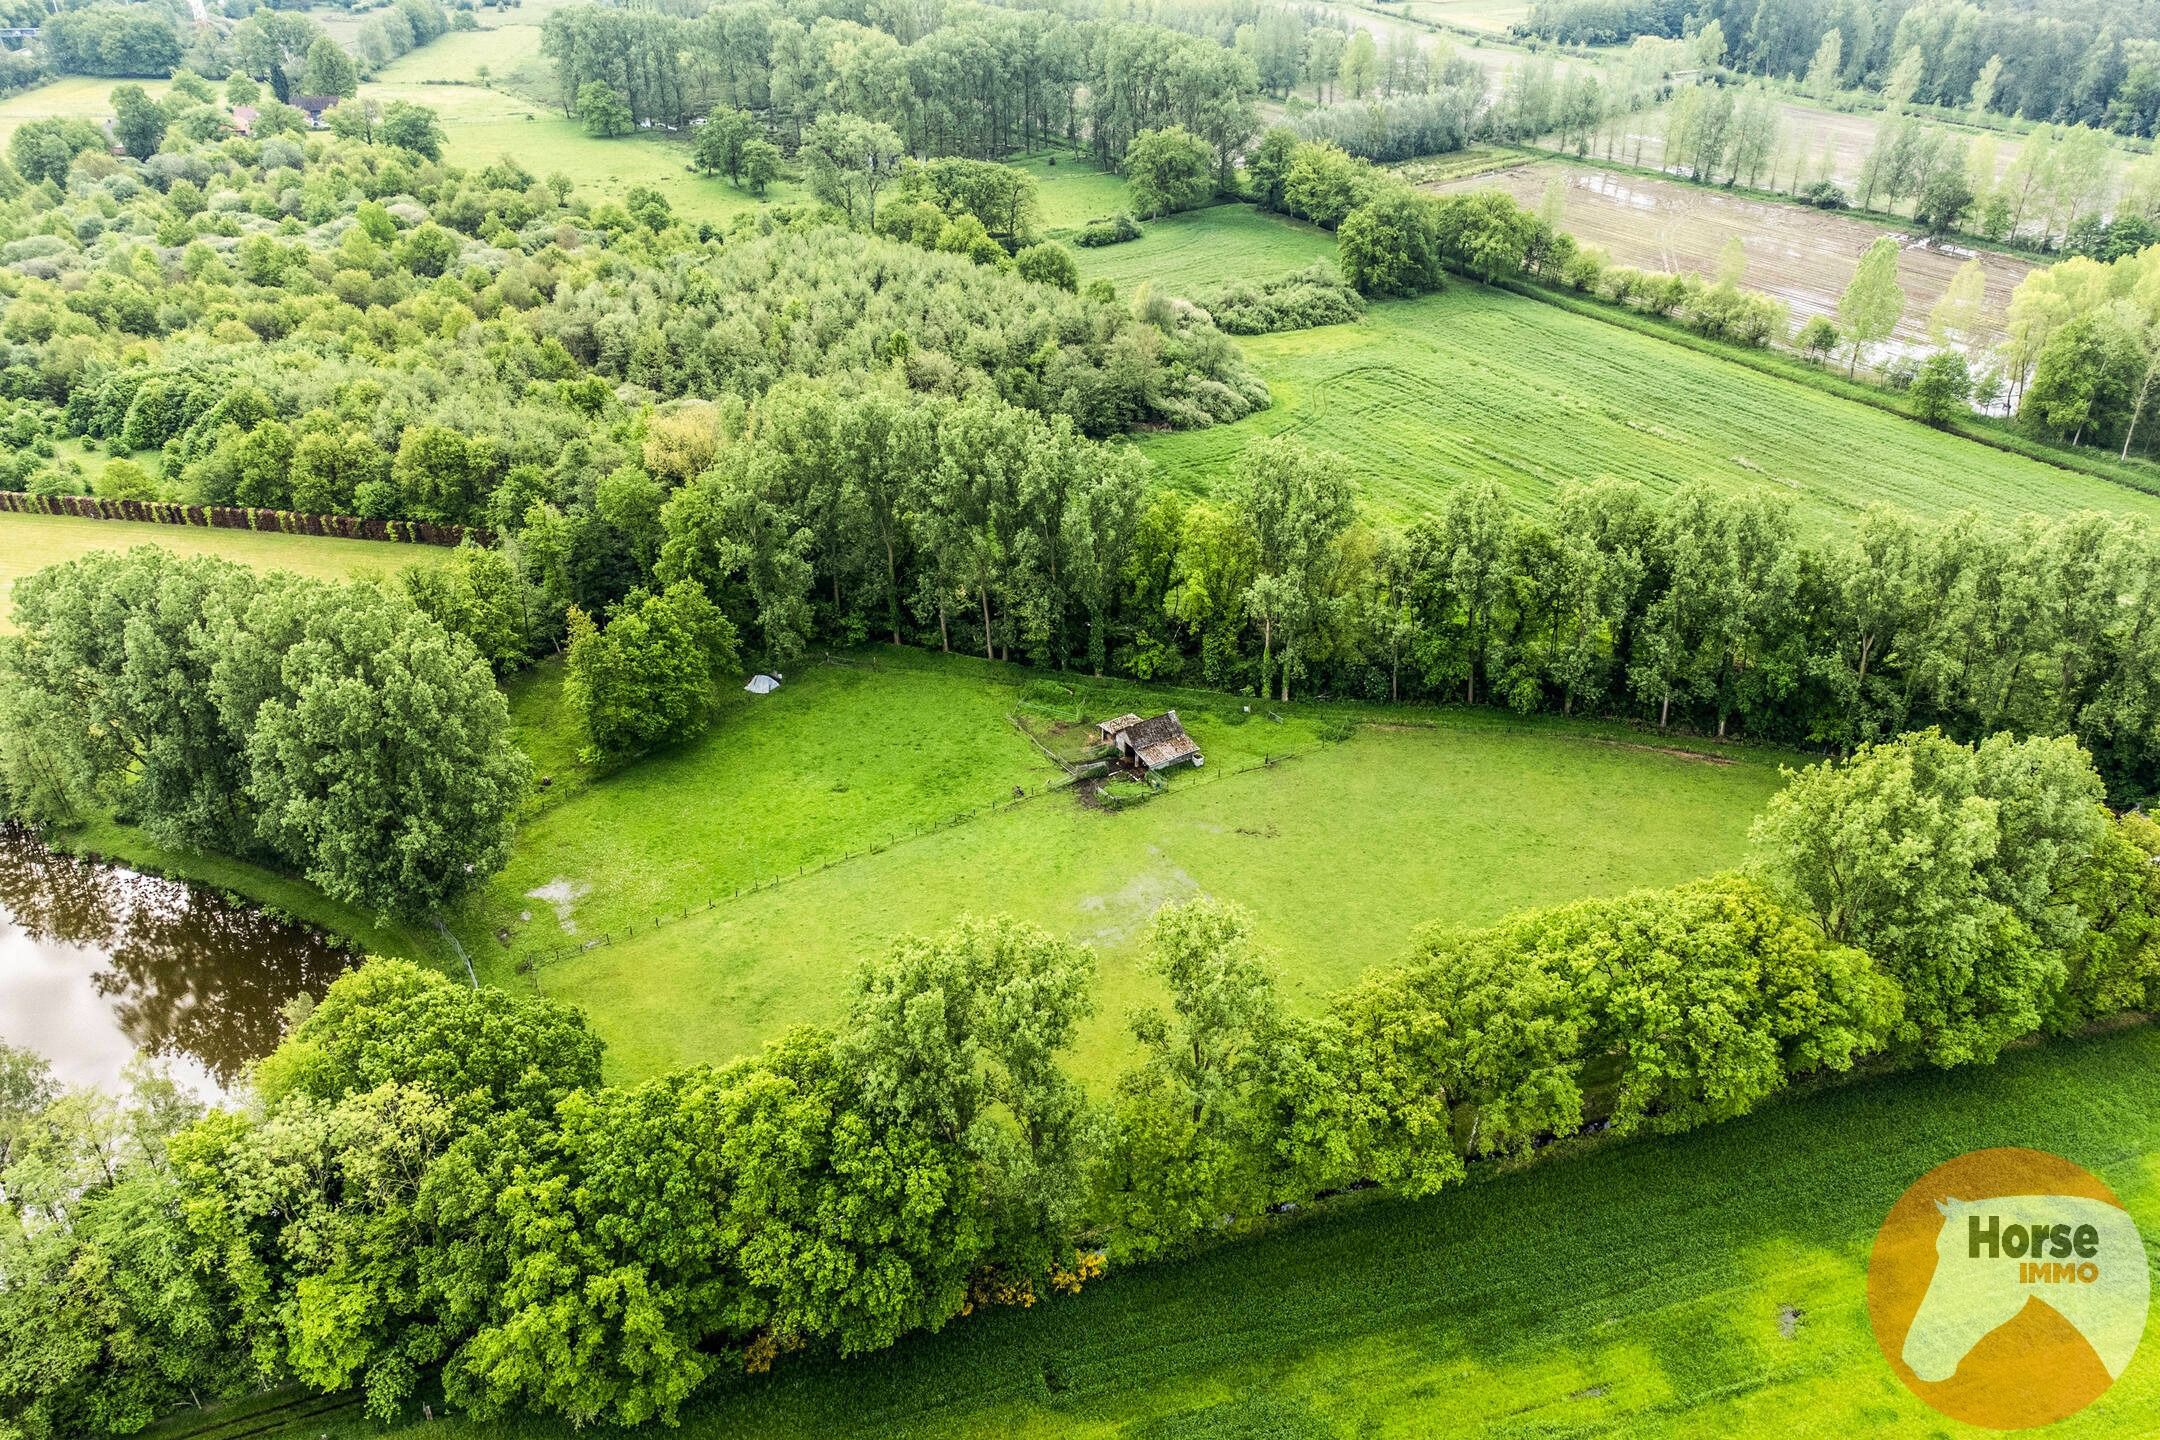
x: 1196, y: 251
x: 1423, y: 394
x: 31, y: 542
x: 1340, y: 850
x: 483, y: 124
x: 1641, y: 1289
x: 78, y: 95
x: 1072, y: 191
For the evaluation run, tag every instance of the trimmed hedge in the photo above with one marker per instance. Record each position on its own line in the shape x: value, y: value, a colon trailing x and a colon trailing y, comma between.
x: 241, y: 517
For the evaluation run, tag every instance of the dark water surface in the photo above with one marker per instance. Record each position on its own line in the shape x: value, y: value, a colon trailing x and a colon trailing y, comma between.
x: 98, y: 962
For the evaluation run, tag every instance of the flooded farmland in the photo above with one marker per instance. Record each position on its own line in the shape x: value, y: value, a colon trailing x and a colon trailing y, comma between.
x: 1803, y: 257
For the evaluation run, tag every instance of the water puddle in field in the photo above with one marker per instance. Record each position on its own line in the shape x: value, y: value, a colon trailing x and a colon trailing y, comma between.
x: 99, y: 962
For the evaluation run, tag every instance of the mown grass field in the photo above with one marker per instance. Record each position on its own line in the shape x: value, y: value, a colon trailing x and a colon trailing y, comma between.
x: 31, y: 542
x: 1340, y: 850
x: 1070, y: 191
x: 1200, y: 249
x: 85, y: 96
x: 483, y: 124
x: 1473, y: 382
x: 1639, y: 1289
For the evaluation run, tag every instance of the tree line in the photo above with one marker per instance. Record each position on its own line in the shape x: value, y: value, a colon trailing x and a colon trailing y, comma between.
x: 843, y: 512
x: 981, y: 81
x: 2060, y: 62
x: 331, y: 730
x: 272, y: 44
x: 434, y: 1188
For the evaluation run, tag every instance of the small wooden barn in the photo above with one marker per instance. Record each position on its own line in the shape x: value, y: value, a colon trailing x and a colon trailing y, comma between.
x: 1156, y: 743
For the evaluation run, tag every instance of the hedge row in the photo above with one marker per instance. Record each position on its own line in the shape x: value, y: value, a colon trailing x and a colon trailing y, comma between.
x: 241, y: 517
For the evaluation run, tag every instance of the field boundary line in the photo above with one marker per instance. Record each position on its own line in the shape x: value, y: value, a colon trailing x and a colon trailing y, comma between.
x: 252, y: 518
x: 536, y: 958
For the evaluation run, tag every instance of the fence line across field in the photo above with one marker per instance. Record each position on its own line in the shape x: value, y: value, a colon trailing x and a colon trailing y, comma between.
x: 534, y: 959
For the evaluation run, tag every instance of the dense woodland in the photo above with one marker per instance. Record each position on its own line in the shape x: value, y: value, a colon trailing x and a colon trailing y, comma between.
x: 838, y: 437
x: 435, y: 1192
x: 2074, y: 62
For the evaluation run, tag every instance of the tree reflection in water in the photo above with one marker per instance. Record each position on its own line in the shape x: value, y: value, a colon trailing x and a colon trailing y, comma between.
x: 98, y: 961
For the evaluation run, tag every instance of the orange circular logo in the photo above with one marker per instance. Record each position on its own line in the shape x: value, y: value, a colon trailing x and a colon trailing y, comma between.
x: 2008, y: 1288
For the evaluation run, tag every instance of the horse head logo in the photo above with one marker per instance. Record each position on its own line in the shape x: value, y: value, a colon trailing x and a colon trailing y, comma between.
x: 1989, y: 1267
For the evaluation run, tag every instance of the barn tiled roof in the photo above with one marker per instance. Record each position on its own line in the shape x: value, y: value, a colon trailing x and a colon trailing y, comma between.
x: 1155, y: 731
x: 1167, y: 752
x: 1155, y: 742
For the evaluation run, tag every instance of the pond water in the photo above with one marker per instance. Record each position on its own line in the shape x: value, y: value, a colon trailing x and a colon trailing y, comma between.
x: 98, y: 962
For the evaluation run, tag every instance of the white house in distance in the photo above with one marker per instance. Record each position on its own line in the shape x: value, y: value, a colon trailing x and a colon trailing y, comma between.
x: 1153, y: 744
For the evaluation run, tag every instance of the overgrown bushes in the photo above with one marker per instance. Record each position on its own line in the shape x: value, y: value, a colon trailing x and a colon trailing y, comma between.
x: 1112, y: 230
x: 1300, y: 300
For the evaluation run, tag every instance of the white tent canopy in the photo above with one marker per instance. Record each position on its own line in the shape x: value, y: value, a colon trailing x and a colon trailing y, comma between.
x: 763, y: 684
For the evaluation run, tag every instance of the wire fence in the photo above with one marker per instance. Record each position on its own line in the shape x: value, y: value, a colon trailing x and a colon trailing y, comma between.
x: 538, y: 957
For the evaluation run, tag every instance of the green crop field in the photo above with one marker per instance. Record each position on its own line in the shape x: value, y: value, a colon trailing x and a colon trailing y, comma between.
x: 1472, y: 382
x: 31, y: 542
x: 1196, y: 251
x: 1340, y: 850
x: 1700, y: 1287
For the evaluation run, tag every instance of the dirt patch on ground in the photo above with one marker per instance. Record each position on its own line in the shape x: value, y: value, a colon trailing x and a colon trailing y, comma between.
x: 560, y: 894
x: 1699, y: 757
x: 1123, y: 913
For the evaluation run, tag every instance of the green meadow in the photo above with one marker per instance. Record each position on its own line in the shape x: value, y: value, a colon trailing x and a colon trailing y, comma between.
x: 1697, y: 1288
x: 67, y: 95
x: 895, y: 791
x: 1070, y: 191
x: 1201, y: 249
x: 1478, y: 383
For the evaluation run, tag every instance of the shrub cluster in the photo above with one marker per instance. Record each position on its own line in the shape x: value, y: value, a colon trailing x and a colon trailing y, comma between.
x: 434, y: 1186
x: 1719, y: 310
x: 1395, y: 240
x: 1110, y: 230
x: 1300, y: 300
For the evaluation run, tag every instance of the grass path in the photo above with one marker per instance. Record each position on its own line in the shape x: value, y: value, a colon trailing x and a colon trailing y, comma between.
x: 1634, y: 1290
x: 1340, y: 852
